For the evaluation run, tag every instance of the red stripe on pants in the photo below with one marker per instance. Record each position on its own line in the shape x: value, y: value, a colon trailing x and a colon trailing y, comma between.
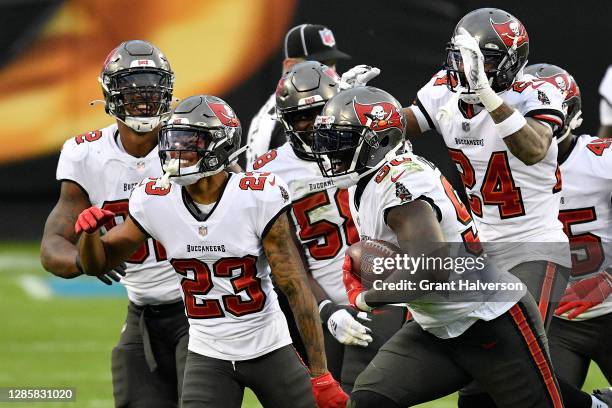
x: 538, y: 355
x: 544, y: 301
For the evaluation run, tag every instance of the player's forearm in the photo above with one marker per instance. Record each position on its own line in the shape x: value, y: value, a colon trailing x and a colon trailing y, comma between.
x: 290, y: 277
x: 306, y: 315
x: 527, y: 144
x: 92, y: 254
x: 317, y: 290
x: 58, y: 256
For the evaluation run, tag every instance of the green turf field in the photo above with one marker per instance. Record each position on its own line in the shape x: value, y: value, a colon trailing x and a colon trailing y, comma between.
x: 51, y: 341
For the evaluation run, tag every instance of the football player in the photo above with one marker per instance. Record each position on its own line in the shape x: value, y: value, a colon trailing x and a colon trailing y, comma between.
x: 605, y: 105
x: 324, y: 224
x: 216, y: 227
x: 403, y: 199
x: 101, y: 168
x: 578, y: 334
x: 498, y: 125
x: 304, y: 42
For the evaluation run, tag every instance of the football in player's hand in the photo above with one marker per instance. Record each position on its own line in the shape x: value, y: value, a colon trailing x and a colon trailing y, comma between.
x: 368, y: 260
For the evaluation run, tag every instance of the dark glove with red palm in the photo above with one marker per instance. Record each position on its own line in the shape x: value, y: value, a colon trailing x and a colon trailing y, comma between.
x: 584, y: 294
x: 91, y: 219
x: 353, y: 286
x: 327, y: 392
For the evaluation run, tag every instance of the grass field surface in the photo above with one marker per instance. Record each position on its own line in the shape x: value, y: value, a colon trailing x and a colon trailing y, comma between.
x: 59, y: 333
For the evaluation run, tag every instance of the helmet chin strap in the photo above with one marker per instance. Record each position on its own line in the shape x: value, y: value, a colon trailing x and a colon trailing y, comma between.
x: 172, y: 166
x: 141, y: 125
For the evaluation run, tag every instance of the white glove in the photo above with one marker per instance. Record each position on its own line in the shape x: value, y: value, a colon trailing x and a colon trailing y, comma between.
x: 359, y: 75
x: 473, y: 67
x: 347, y: 330
x: 473, y: 60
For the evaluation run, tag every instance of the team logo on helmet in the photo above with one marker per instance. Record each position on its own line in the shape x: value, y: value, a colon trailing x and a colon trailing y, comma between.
x: 327, y: 37
x: 379, y: 116
x: 512, y: 32
x: 565, y: 83
x: 224, y: 113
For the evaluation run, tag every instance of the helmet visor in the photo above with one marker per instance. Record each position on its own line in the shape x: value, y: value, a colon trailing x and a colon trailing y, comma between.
x: 142, y: 94
x: 186, y: 145
x: 336, y: 149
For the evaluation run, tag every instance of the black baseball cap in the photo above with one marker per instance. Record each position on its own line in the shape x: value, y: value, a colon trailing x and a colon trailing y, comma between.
x: 312, y: 42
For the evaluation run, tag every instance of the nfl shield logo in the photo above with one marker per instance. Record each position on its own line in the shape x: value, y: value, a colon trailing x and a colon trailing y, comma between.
x: 465, y: 126
x: 203, y: 231
x: 327, y: 37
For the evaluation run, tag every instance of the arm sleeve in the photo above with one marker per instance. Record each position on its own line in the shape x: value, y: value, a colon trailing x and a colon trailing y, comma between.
x: 273, y: 201
x: 543, y: 103
x: 407, y: 182
x: 71, y: 164
x: 137, y: 209
x: 425, y: 105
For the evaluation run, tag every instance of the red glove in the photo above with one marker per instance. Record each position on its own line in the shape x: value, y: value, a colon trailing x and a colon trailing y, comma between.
x: 327, y: 392
x: 351, y: 283
x: 91, y: 219
x: 584, y: 294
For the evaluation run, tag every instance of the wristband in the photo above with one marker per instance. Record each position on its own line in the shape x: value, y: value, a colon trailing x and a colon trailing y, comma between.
x: 326, y: 312
x: 510, y: 125
x: 489, y: 99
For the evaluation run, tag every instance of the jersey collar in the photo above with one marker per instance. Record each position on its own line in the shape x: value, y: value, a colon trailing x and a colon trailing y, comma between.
x: 193, y: 209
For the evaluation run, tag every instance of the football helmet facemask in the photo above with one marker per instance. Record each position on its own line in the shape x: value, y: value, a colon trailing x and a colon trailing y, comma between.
x: 201, y: 138
x: 300, y: 96
x: 137, y: 84
x: 504, y: 43
x: 357, y: 131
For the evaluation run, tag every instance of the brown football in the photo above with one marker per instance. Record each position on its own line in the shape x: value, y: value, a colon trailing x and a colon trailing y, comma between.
x: 363, y: 254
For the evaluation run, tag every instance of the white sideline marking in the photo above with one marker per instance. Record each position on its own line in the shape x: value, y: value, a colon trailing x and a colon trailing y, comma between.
x: 35, y: 287
x: 19, y: 261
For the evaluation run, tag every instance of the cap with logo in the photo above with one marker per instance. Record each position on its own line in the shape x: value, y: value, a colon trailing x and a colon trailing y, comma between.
x: 312, y: 42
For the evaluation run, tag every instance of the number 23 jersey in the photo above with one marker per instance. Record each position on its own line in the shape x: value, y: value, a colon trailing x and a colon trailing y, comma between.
x: 231, y: 306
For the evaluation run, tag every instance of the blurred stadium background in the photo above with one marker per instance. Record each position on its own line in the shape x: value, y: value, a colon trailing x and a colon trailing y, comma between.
x: 59, y: 333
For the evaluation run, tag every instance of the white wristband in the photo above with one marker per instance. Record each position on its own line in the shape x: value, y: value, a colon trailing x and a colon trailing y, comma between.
x: 489, y: 99
x: 510, y: 125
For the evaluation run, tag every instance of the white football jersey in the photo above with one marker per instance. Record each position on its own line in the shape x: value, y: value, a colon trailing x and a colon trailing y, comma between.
x: 605, y: 105
x: 409, y: 177
x: 586, y: 210
x: 108, y: 175
x: 232, y: 308
x: 321, y: 214
x: 511, y: 202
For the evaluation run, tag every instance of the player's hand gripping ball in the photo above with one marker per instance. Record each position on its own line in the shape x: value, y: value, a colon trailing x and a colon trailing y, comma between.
x: 368, y: 260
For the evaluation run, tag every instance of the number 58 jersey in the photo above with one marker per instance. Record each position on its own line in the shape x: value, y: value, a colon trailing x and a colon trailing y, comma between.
x: 232, y: 308
x: 107, y: 174
x: 321, y: 214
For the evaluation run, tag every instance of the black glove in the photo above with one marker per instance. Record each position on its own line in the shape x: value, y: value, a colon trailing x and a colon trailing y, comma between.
x: 113, y: 274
